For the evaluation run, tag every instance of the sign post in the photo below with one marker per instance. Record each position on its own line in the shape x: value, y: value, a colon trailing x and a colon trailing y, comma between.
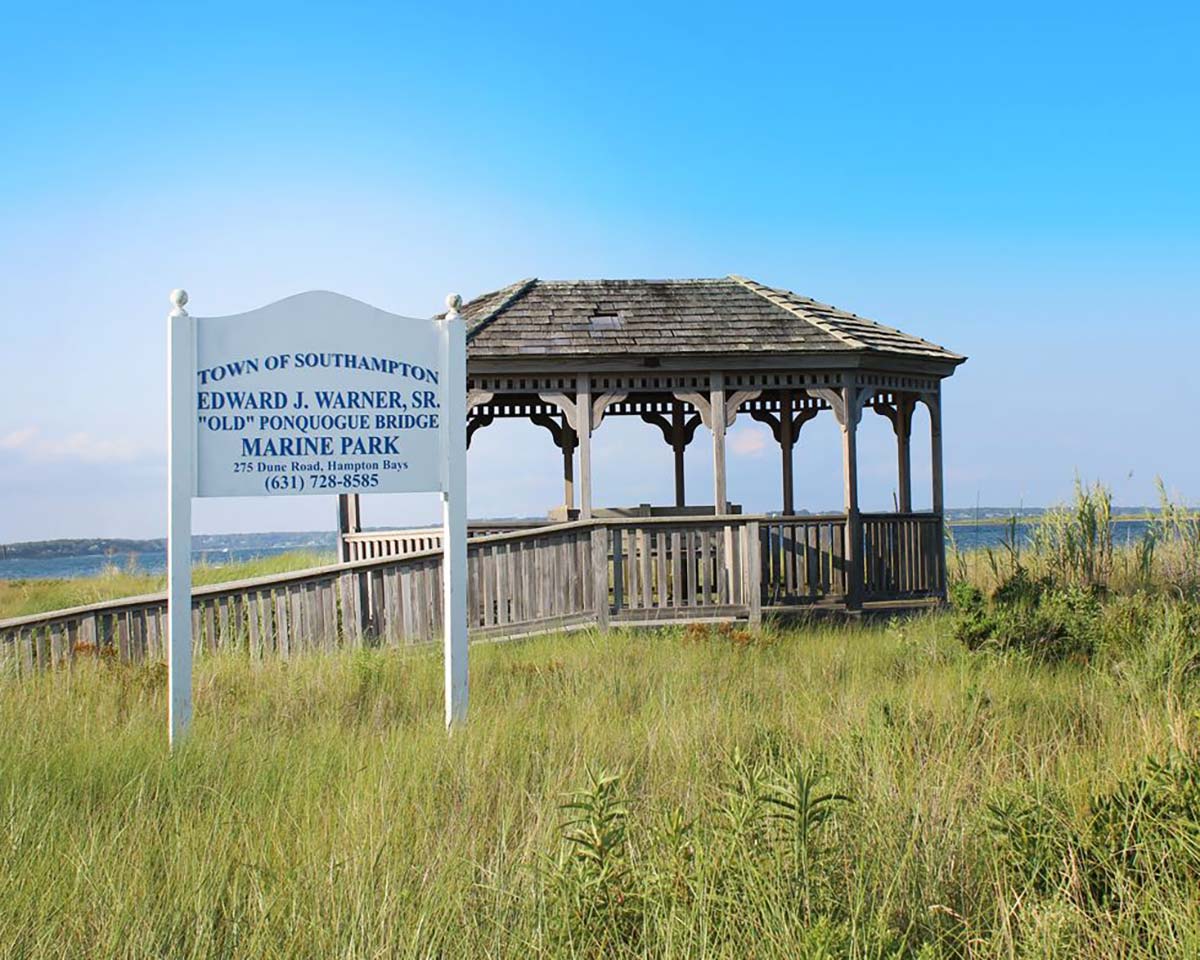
x: 181, y: 487
x: 316, y: 394
x: 454, y: 513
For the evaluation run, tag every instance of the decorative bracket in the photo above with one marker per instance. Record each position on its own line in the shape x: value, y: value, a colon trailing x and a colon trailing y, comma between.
x: 570, y: 411
x: 476, y: 397
x: 772, y: 421
x: 833, y: 396
x: 556, y: 429
x: 601, y: 403
x: 564, y: 403
x: 701, y: 403
x: 733, y: 402
x: 663, y: 424
x: 900, y: 414
x: 933, y: 403
x: 477, y: 422
x: 668, y: 429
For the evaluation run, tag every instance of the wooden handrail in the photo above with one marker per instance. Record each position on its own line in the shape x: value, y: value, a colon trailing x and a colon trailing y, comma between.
x: 527, y: 531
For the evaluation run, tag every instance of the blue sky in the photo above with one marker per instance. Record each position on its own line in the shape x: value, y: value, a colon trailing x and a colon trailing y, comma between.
x: 1018, y: 184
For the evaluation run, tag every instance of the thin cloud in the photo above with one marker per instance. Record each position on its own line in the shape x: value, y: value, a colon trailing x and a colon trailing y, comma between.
x: 748, y: 443
x: 79, y: 447
x: 18, y: 438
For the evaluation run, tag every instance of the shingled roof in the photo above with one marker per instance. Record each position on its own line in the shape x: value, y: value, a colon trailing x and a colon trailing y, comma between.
x: 729, y: 315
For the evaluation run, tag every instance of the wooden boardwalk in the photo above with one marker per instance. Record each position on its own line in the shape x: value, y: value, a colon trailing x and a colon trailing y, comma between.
x: 599, y: 572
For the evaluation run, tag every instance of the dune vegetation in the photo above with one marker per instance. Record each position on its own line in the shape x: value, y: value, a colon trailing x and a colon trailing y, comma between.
x: 1015, y: 776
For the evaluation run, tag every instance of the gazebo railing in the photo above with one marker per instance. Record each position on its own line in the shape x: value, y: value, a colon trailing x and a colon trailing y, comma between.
x: 803, y: 559
x: 674, y: 568
x: 904, y: 556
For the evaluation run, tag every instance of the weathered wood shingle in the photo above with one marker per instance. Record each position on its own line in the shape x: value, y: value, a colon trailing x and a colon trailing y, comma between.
x: 729, y: 315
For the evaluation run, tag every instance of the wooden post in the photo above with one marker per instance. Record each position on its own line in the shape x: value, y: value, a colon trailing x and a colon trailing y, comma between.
x: 583, y: 421
x: 752, y: 567
x: 181, y: 485
x: 454, y: 512
x: 567, y: 435
x: 678, y: 445
x: 902, y: 424
x: 786, y: 443
x: 720, y: 496
x: 600, y: 575
x: 349, y: 521
x: 717, y: 405
x: 935, y: 445
x: 853, y: 552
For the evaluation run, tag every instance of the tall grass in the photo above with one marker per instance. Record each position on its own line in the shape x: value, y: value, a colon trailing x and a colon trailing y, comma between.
x: 825, y: 791
x: 1073, y: 543
x: 868, y: 790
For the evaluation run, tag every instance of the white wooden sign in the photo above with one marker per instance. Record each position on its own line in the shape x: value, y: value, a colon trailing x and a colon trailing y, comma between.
x: 315, y: 394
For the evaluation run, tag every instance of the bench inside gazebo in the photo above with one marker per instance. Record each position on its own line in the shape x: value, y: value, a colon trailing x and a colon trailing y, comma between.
x: 678, y: 354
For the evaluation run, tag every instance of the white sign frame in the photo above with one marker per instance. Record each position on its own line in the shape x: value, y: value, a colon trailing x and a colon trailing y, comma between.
x: 184, y: 463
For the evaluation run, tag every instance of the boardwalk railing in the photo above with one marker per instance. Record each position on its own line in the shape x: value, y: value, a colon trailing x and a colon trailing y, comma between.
x: 374, y: 544
x: 602, y: 571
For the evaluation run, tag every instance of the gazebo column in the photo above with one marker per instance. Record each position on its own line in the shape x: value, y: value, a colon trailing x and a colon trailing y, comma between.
x: 903, y: 428
x: 678, y: 445
x: 904, y: 468
x: 717, y: 412
x: 787, y: 441
x: 785, y: 428
x: 568, y: 452
x: 934, y: 402
x: 581, y: 416
x: 679, y: 430
x: 717, y: 406
x: 847, y: 408
x: 583, y: 424
x: 900, y: 414
x: 854, y: 584
x: 564, y: 438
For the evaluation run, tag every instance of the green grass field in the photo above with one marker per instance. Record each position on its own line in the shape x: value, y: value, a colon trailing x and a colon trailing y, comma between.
x: 319, y: 809
x: 1015, y: 777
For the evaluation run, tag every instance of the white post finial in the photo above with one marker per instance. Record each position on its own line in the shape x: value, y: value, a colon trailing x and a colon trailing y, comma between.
x: 179, y: 299
x: 453, y: 302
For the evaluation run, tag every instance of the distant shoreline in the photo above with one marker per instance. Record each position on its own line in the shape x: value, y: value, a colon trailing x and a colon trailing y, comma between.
x: 118, y: 549
x: 201, y: 543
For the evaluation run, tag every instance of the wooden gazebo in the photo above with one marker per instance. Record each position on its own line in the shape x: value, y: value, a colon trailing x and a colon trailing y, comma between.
x: 567, y: 355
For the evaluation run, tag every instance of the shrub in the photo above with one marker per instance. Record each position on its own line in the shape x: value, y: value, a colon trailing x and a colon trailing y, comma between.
x: 1029, y: 616
x: 973, y: 624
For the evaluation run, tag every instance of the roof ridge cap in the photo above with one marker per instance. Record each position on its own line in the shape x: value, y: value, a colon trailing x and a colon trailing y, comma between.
x: 518, y: 290
x: 771, y: 295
